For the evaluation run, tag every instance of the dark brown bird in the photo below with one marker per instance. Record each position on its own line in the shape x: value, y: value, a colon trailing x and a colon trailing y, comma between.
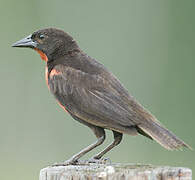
x: 92, y: 95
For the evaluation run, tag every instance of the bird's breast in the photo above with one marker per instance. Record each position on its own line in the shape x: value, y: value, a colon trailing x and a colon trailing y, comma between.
x: 50, y: 75
x: 46, y: 75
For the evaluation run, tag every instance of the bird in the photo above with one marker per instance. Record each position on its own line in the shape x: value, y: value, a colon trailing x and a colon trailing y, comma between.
x: 92, y: 95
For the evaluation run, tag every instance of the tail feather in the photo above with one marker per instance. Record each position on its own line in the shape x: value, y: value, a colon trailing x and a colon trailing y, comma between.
x: 163, y: 136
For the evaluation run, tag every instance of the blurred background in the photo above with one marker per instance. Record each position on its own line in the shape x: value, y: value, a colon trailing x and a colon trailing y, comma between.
x: 148, y: 45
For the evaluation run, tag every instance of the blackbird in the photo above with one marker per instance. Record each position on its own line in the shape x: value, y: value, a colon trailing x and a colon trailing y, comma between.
x: 92, y: 95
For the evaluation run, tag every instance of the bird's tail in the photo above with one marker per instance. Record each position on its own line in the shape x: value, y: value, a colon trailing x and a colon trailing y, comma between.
x: 162, y: 135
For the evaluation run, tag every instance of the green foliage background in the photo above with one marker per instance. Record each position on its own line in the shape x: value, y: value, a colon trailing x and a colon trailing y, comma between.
x: 147, y: 44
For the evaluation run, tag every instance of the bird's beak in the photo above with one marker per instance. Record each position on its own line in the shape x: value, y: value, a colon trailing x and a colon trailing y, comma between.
x: 26, y: 42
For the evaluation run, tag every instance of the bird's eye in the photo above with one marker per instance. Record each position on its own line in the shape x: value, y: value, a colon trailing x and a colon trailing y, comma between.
x: 41, y: 36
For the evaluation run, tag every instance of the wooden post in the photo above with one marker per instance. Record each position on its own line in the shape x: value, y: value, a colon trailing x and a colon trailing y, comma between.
x: 115, y: 172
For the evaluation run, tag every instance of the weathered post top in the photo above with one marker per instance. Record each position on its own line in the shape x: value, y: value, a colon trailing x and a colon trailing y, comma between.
x: 115, y: 172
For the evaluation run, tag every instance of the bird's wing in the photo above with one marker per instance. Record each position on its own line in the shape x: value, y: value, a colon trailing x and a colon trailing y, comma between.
x: 100, y: 100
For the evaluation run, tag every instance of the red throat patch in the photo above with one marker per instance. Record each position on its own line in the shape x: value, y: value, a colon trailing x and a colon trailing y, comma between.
x: 43, y: 55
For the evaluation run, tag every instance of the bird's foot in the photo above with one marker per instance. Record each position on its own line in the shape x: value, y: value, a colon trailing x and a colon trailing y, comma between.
x: 92, y: 160
x: 99, y: 161
x: 66, y: 163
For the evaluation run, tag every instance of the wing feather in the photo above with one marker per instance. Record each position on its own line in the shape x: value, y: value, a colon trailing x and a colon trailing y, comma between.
x: 92, y: 95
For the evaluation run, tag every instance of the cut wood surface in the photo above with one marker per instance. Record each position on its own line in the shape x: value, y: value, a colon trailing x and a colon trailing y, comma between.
x: 115, y: 172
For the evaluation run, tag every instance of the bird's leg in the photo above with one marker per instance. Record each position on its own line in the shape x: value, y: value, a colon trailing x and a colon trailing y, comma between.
x: 117, y: 139
x: 77, y: 156
x: 100, y: 134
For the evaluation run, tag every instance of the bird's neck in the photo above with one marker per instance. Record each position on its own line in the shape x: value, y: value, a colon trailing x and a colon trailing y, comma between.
x: 62, y: 50
x: 65, y: 59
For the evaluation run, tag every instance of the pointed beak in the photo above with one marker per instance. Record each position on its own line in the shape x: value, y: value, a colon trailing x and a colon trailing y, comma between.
x: 26, y: 42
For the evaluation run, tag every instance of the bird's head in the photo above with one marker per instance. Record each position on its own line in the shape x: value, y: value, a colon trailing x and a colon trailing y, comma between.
x: 49, y: 43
